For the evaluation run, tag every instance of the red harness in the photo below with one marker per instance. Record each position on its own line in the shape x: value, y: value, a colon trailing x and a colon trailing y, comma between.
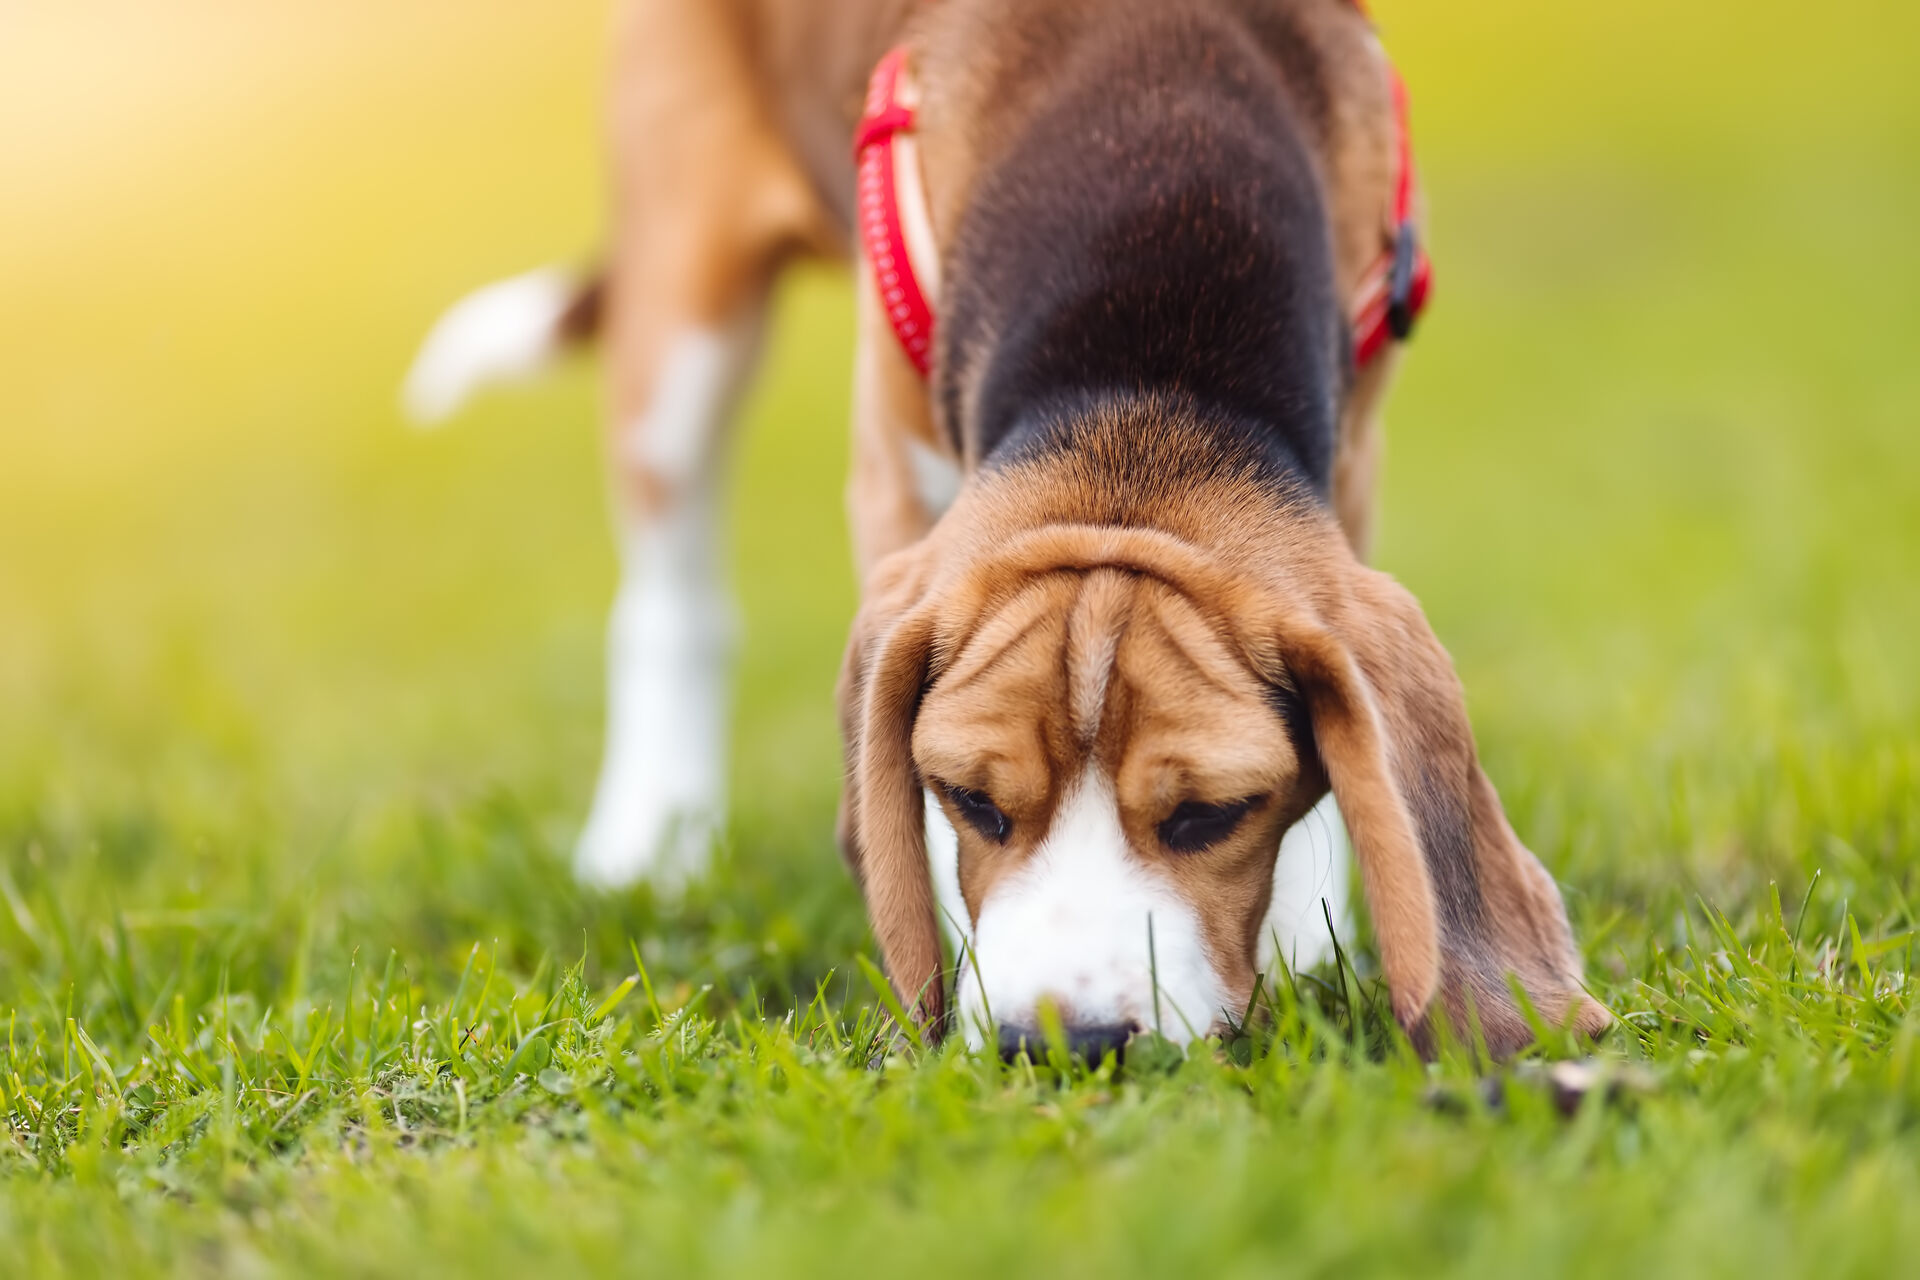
x: 882, y: 233
x: 1391, y: 295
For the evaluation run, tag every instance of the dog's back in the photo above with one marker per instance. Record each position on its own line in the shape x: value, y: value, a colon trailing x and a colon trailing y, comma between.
x: 1156, y: 225
x: 1130, y: 195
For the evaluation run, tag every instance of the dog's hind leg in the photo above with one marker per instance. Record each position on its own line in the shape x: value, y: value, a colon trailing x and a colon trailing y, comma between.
x: 708, y: 204
x: 659, y: 802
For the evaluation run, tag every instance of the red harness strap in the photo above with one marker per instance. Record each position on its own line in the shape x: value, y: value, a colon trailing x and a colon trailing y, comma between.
x: 1394, y: 290
x: 878, y: 209
x: 1390, y: 297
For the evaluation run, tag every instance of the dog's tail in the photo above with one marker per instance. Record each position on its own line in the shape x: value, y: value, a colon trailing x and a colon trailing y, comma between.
x: 507, y: 331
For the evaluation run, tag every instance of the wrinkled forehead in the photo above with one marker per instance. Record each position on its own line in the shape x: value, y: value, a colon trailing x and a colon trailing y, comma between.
x: 1105, y: 667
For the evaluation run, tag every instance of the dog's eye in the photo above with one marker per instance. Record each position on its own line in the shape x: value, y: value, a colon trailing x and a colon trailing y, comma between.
x: 981, y: 814
x: 1195, y: 826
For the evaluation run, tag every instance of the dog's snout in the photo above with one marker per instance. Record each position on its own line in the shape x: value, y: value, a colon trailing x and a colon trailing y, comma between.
x: 1091, y: 1043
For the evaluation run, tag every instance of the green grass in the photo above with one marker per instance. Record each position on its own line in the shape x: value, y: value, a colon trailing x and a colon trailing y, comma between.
x: 298, y: 711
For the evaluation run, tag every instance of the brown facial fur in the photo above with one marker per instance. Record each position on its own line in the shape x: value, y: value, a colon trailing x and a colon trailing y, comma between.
x: 1114, y: 670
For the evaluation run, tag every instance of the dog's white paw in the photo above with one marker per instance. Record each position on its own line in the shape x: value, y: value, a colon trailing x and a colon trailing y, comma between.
x: 661, y: 800
x: 633, y: 835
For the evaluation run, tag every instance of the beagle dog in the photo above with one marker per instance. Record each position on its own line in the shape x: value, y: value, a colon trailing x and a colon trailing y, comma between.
x: 1116, y: 414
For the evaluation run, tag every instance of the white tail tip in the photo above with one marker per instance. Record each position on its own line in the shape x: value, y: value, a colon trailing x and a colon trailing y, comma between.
x: 507, y: 331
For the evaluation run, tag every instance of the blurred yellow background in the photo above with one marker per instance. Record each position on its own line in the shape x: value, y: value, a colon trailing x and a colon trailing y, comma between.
x: 1652, y: 465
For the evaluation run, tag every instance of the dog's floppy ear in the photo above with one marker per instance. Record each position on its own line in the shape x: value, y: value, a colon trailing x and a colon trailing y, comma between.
x: 882, y: 816
x: 1460, y: 907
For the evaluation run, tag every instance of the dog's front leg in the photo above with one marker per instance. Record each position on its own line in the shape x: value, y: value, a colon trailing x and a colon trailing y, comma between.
x: 902, y: 477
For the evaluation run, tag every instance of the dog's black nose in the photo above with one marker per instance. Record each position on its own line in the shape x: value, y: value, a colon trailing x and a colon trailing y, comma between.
x: 1091, y: 1044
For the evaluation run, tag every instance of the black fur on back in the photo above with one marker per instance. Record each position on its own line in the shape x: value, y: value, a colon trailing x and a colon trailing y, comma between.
x: 1156, y: 229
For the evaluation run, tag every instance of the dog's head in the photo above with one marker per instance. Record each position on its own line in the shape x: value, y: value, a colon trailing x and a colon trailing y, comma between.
x: 1123, y: 671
